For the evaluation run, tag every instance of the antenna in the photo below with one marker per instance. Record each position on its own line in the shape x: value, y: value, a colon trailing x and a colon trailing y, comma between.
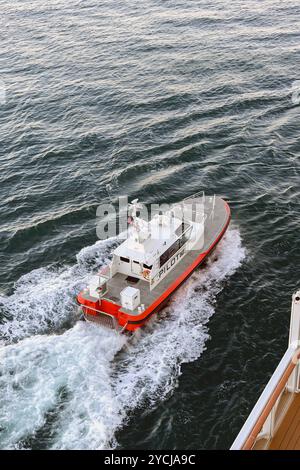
x: 133, y: 207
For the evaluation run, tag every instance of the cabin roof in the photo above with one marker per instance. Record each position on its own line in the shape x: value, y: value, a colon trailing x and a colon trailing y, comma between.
x: 158, y: 239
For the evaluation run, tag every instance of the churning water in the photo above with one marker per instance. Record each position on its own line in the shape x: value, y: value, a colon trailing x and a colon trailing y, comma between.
x: 76, y: 387
x: 155, y: 100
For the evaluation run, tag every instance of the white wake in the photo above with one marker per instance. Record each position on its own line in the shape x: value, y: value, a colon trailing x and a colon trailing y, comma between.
x: 81, y: 383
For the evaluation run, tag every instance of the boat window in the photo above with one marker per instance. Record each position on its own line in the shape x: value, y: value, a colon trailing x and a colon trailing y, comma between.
x: 169, y: 253
x: 146, y: 266
x: 185, y: 237
x: 136, y: 262
x: 125, y: 260
x: 182, y: 228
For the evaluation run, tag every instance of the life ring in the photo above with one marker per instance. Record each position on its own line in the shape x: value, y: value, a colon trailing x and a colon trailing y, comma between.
x: 146, y: 274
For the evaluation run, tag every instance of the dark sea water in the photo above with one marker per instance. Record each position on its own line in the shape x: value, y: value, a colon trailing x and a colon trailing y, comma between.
x: 156, y: 100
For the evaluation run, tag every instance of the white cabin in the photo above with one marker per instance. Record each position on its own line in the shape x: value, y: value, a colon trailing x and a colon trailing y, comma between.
x: 151, y: 245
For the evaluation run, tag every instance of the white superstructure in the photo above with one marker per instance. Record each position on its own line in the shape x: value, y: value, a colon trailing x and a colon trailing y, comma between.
x: 153, y: 246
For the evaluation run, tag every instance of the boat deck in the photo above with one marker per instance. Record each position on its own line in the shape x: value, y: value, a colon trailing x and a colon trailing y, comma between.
x: 287, y: 436
x: 213, y: 228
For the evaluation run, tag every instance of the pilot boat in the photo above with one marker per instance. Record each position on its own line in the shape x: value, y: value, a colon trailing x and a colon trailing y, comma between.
x: 154, y: 260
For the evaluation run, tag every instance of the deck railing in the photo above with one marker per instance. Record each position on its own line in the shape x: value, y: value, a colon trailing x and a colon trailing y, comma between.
x: 264, y: 420
x: 100, y: 313
x: 261, y: 422
x: 195, y: 195
x: 105, y: 272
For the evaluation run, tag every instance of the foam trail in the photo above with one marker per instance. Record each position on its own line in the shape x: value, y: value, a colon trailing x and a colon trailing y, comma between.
x: 90, y: 379
x: 44, y: 300
x: 152, y: 366
x: 35, y: 372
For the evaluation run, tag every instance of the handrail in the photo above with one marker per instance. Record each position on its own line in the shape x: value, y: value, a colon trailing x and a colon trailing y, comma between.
x: 98, y: 311
x: 105, y: 272
x: 114, y: 319
x: 193, y: 196
x: 255, y: 421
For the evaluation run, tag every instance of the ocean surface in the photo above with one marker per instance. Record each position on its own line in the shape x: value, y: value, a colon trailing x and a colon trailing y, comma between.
x: 155, y: 100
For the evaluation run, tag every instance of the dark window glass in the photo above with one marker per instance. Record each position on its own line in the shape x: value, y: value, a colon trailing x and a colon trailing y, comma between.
x: 136, y: 262
x: 182, y: 228
x: 146, y: 266
x: 125, y: 260
x: 185, y: 237
x: 169, y: 253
